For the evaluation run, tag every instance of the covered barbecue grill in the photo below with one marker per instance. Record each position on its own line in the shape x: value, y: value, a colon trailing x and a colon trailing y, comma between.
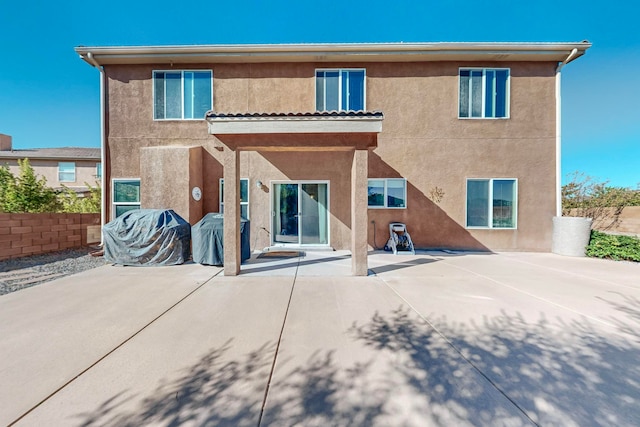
x: 146, y: 237
x: 207, y: 240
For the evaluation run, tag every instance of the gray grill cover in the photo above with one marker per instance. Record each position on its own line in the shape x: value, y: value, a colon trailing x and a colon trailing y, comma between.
x: 207, y: 240
x: 147, y: 237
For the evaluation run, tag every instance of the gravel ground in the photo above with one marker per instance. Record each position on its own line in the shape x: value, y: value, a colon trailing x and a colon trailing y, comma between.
x: 21, y: 273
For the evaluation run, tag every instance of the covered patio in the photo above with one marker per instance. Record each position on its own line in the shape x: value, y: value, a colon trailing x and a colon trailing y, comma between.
x: 346, y: 131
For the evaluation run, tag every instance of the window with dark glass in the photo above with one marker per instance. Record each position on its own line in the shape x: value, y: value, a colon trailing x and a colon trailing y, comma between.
x: 244, y: 197
x: 126, y: 195
x: 340, y: 90
x: 387, y: 193
x: 484, y: 93
x: 491, y: 203
x: 182, y: 94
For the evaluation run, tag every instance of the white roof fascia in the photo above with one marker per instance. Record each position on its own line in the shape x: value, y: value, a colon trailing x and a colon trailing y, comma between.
x: 365, y: 52
x: 260, y: 125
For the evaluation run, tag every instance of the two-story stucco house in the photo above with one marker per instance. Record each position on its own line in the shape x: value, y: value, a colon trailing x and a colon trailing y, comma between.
x: 323, y: 145
x: 70, y: 167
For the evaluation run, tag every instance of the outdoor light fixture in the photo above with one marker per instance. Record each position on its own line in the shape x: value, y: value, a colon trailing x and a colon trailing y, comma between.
x: 259, y: 184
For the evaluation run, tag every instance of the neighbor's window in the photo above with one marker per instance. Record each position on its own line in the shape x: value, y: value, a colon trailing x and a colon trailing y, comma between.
x: 66, y: 172
x: 387, y: 193
x: 492, y: 203
x: 244, y: 197
x: 484, y: 93
x: 126, y: 195
x: 340, y: 90
x: 98, y: 170
x: 182, y: 94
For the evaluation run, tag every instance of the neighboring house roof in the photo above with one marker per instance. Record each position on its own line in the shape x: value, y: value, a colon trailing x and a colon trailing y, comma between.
x: 361, y: 52
x: 63, y: 153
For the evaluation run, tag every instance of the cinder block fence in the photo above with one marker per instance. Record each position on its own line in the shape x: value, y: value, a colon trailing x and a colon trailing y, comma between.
x: 628, y: 222
x: 30, y: 234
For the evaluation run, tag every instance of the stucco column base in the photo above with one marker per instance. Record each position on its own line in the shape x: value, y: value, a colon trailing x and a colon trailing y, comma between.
x: 167, y: 177
x: 359, y: 216
x: 231, y: 236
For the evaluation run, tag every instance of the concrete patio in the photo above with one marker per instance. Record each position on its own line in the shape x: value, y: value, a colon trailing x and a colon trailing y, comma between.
x: 427, y: 340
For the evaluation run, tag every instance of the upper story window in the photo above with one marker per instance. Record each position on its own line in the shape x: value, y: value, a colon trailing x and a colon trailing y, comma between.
x: 492, y: 203
x: 340, y: 90
x: 181, y: 95
x: 484, y: 93
x: 98, y: 170
x: 66, y: 172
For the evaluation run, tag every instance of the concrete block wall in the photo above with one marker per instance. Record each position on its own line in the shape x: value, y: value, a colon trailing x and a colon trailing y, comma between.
x: 27, y: 234
x: 628, y: 222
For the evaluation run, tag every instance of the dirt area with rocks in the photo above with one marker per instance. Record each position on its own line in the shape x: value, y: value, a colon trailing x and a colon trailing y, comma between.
x: 21, y: 273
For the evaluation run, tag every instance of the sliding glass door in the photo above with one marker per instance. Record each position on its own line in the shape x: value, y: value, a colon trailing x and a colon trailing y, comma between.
x: 300, y: 215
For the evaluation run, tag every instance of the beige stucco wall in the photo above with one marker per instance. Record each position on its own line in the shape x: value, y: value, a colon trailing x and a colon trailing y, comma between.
x: 168, y: 176
x: 85, y: 172
x: 422, y: 140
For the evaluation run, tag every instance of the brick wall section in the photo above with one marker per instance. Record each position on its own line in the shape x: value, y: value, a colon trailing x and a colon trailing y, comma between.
x: 31, y: 234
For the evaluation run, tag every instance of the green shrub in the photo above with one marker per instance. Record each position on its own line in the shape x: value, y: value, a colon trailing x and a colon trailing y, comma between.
x: 29, y: 192
x: 610, y: 246
x: 71, y: 203
x: 26, y: 192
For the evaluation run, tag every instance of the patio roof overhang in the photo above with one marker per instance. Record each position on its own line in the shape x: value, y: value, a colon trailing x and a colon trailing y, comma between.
x: 320, y: 130
x: 311, y: 122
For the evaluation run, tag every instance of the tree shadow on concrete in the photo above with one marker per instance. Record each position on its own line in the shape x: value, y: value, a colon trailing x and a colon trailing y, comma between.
x: 630, y: 308
x: 503, y: 370
x: 215, y: 391
x: 556, y: 373
x: 322, y: 393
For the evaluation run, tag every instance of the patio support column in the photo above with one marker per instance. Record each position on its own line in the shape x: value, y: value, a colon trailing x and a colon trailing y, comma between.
x: 231, y: 237
x: 359, y: 216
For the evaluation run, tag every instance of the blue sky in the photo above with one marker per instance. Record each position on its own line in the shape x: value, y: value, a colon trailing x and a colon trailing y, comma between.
x: 50, y: 98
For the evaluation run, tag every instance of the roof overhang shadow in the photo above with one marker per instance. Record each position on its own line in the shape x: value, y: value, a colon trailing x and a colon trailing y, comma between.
x: 332, y: 130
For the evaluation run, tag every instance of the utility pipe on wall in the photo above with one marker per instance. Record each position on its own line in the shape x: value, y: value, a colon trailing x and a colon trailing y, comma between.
x: 102, y: 146
x: 559, y: 132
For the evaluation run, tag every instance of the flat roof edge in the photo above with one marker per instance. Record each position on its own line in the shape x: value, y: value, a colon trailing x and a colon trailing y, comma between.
x: 327, y: 52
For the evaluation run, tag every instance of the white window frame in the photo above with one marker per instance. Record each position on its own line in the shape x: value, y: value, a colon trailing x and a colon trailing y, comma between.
x: 153, y: 80
x: 340, y: 71
x: 490, y: 207
x: 66, y: 172
x: 98, y: 170
x: 113, y: 195
x: 507, y: 97
x: 221, y: 205
x: 386, y: 183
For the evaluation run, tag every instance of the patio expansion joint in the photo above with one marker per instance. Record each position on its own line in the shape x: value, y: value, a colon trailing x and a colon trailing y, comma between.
x: 87, y: 369
x: 459, y: 352
x: 582, y: 276
x: 513, y: 288
x: 275, y: 355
